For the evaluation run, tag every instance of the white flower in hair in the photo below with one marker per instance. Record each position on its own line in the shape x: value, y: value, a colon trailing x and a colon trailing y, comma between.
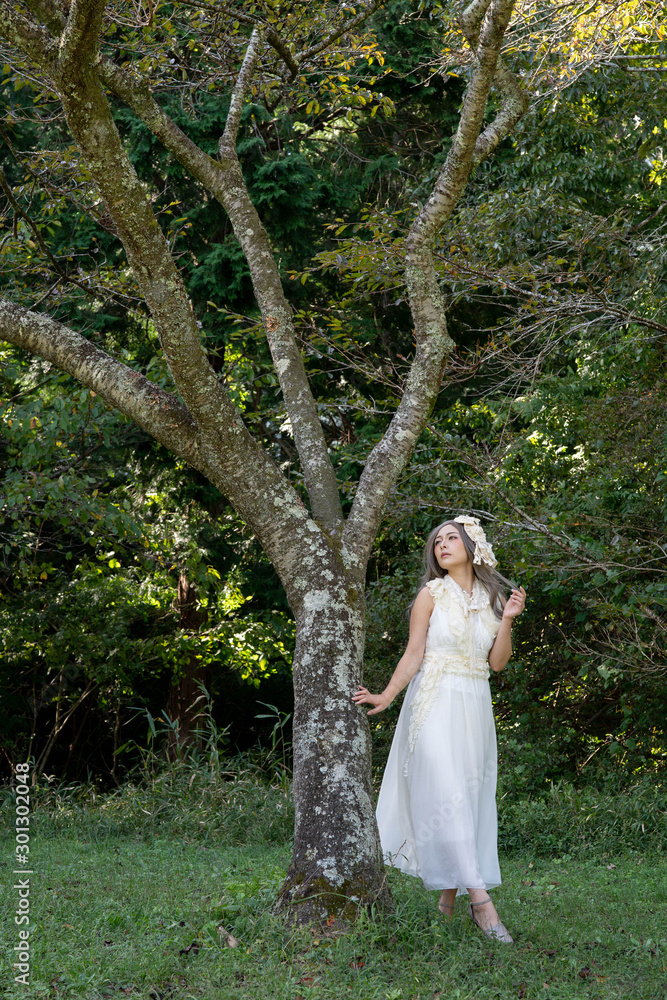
x: 475, y: 531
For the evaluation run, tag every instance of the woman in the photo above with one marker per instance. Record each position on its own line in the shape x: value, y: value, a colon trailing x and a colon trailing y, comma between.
x: 437, y: 810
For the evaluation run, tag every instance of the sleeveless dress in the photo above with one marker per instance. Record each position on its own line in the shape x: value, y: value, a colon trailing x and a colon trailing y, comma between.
x: 437, y: 806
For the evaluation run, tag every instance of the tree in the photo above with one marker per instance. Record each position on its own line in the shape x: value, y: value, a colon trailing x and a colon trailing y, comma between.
x: 320, y: 555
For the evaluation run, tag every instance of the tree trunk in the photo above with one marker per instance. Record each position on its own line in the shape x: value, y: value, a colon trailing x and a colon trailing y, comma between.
x: 185, y: 696
x: 337, y: 860
x: 321, y: 560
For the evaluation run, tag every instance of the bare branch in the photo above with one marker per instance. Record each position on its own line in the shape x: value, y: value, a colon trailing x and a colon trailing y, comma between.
x: 227, y: 145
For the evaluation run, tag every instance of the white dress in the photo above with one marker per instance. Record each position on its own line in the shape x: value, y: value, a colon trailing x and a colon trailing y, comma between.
x: 437, y: 806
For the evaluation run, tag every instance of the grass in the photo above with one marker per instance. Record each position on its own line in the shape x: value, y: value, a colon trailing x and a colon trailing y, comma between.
x: 130, y: 892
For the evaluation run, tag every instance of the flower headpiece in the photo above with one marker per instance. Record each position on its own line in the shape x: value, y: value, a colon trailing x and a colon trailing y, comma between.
x: 475, y: 531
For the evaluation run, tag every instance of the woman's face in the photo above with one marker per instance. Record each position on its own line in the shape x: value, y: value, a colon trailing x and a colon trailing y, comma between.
x: 449, y: 548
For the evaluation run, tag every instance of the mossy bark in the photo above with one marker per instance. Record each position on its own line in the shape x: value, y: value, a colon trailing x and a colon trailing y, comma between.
x: 337, y: 865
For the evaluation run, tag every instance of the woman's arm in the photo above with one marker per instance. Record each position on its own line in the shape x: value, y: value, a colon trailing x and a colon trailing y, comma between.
x: 409, y: 663
x: 502, y: 646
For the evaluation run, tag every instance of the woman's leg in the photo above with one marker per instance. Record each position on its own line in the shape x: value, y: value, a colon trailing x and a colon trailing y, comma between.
x: 446, y: 903
x: 486, y: 916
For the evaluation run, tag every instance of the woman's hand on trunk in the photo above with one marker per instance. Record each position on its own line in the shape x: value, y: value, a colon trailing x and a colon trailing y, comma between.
x: 378, y: 701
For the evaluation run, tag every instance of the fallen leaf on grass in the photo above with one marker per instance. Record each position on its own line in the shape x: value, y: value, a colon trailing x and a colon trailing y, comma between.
x: 226, y: 937
x: 585, y: 973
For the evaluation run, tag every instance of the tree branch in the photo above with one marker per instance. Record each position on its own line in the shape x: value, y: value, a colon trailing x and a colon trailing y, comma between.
x: 458, y: 165
x: 48, y: 13
x: 234, y: 461
x: 308, y: 434
x: 156, y: 411
x: 272, y: 36
x: 350, y: 25
x: 283, y: 50
x: 293, y: 62
x: 433, y: 343
x: 514, y: 104
x: 514, y: 100
x: 27, y: 36
x: 227, y: 144
x: 226, y: 183
x: 80, y: 38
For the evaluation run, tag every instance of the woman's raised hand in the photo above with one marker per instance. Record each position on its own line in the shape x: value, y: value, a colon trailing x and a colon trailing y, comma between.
x: 378, y: 701
x: 515, y: 603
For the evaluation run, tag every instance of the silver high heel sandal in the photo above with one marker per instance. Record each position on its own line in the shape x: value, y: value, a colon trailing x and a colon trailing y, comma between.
x: 446, y: 906
x: 498, y: 932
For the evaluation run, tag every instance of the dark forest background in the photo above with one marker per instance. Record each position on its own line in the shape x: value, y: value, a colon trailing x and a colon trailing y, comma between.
x: 126, y: 580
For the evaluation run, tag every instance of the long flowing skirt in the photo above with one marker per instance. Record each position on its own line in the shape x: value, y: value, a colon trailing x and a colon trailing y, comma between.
x: 437, y: 806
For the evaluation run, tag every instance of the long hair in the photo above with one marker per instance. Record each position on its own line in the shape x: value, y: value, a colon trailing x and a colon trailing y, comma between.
x: 492, y: 581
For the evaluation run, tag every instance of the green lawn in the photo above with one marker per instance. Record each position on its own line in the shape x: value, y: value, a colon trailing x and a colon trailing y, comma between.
x: 121, y: 917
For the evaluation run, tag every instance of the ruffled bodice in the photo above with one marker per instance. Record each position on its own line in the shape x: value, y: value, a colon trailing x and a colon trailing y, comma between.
x: 460, y: 635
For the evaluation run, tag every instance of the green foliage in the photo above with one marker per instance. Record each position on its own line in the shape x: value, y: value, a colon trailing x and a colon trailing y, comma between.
x: 568, y: 477
x: 203, y: 797
x: 550, y: 423
x: 573, y: 820
x: 94, y: 539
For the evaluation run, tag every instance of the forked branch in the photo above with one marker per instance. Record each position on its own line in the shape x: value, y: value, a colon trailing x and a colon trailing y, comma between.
x: 514, y: 100
x: 487, y: 22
